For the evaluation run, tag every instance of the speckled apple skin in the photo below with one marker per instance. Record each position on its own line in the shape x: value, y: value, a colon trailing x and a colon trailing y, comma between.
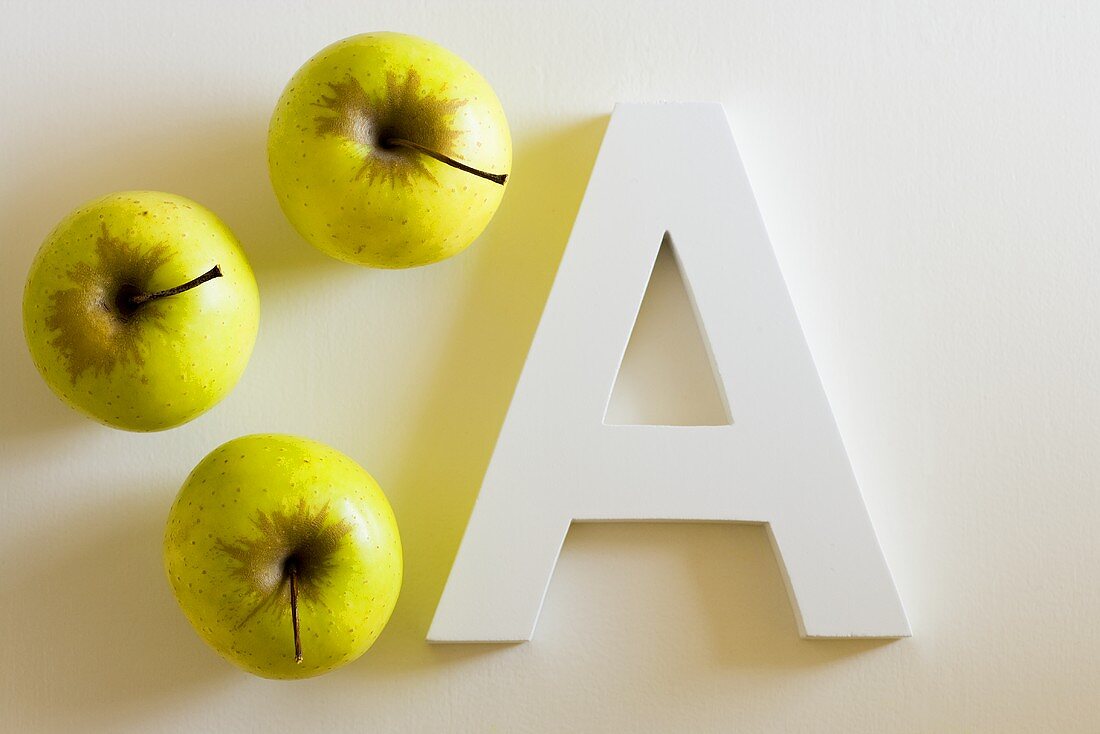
x: 222, y: 504
x: 339, y: 193
x: 183, y: 354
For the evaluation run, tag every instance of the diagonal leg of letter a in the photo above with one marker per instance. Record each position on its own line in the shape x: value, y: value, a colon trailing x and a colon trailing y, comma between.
x: 669, y: 168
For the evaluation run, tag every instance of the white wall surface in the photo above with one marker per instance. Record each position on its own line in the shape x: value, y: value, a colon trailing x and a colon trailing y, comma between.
x: 928, y: 172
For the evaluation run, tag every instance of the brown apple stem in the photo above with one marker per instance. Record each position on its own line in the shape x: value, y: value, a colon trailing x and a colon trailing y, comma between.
x: 499, y: 178
x: 294, y: 612
x: 137, y: 299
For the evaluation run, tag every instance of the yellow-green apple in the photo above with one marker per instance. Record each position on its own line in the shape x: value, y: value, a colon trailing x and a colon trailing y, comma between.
x: 284, y: 555
x: 141, y: 310
x: 389, y: 151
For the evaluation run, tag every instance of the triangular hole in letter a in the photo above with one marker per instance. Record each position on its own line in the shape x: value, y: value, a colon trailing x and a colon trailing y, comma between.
x: 667, y: 377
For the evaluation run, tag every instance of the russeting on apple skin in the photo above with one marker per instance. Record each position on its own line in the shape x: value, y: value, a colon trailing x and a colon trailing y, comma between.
x: 388, y: 150
x: 284, y: 555
x: 141, y: 310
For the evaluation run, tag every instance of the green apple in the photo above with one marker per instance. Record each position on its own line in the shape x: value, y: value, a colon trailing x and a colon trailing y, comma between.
x: 141, y: 310
x: 389, y: 151
x: 284, y: 555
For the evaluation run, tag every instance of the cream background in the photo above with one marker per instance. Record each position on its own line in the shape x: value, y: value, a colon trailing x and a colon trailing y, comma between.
x: 928, y: 173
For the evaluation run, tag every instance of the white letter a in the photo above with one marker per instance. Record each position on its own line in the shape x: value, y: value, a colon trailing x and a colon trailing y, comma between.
x: 672, y: 169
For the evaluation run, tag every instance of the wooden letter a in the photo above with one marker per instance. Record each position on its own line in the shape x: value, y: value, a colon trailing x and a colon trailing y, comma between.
x: 669, y: 168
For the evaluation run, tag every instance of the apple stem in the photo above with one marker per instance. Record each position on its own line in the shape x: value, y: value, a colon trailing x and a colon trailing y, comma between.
x: 294, y: 612
x: 133, y: 300
x: 499, y: 178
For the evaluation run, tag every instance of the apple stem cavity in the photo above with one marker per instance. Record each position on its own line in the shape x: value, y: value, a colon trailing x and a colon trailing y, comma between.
x: 292, y: 569
x: 498, y: 178
x: 131, y: 298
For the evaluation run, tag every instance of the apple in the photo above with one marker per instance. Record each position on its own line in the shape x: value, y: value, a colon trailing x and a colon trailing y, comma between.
x: 284, y: 555
x: 389, y: 151
x: 141, y: 310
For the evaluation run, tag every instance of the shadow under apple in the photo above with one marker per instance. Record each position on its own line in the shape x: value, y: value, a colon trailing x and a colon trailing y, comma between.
x: 109, y: 644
